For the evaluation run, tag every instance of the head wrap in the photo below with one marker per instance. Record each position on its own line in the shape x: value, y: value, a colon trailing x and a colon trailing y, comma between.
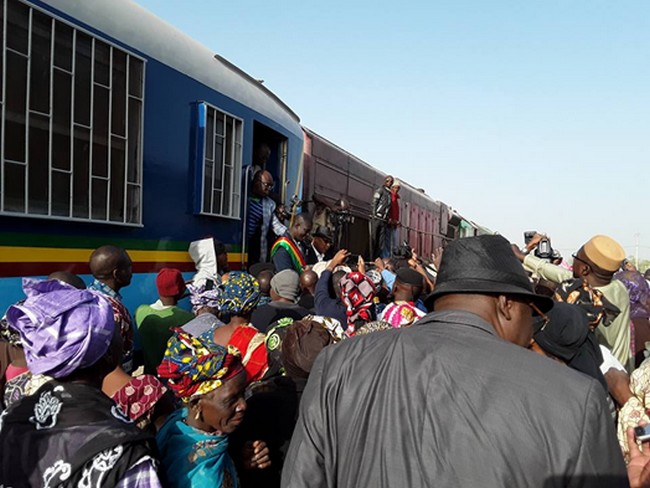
x: 239, y: 295
x: 357, y: 293
x: 639, y: 291
x: 62, y: 329
x: 401, y: 314
x: 564, y: 333
x: 374, y: 326
x: 302, y: 343
x: 286, y: 284
x: 202, y: 296
x: 332, y: 325
x: 170, y: 282
x: 273, y: 342
x: 194, y: 366
x: 375, y: 277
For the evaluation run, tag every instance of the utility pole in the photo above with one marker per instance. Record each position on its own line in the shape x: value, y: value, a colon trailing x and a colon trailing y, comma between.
x: 636, y: 250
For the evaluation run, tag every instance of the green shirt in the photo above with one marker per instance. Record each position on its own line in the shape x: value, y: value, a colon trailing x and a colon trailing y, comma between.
x: 154, y: 328
x: 616, y: 336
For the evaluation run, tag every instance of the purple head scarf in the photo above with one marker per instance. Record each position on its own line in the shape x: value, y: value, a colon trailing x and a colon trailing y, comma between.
x: 62, y: 328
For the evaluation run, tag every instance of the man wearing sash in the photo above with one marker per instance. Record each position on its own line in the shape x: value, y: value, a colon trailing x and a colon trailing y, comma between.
x: 287, y: 252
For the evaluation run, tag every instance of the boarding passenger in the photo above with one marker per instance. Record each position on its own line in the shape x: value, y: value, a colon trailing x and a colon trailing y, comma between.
x: 237, y: 300
x: 287, y: 251
x: 210, y: 380
x: 75, y: 434
x: 261, y: 218
x: 327, y: 299
x: 402, y: 311
x: 358, y: 292
x: 462, y: 397
x: 595, y: 263
x: 211, y: 260
x: 285, y: 289
x: 111, y: 269
x: 308, y: 280
x: 639, y: 291
x: 156, y: 321
x: 319, y: 248
x: 15, y: 377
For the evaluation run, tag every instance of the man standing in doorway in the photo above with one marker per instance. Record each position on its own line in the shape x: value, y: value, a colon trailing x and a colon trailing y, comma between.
x: 261, y: 217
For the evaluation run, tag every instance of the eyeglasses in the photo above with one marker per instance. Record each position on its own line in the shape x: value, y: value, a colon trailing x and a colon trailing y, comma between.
x: 268, y: 186
x: 581, y: 260
x: 542, y: 315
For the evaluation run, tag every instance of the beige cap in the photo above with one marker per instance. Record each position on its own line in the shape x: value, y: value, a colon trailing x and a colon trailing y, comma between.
x: 604, y: 252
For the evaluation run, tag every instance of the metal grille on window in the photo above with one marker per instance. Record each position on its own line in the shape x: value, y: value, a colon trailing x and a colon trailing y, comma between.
x: 72, y: 112
x: 222, y: 155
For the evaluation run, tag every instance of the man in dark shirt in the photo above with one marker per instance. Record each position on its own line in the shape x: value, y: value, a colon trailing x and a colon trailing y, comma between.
x: 308, y: 280
x: 284, y: 292
x: 381, y: 202
x: 287, y: 251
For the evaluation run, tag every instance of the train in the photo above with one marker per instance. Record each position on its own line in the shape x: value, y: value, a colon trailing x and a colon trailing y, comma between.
x: 117, y: 128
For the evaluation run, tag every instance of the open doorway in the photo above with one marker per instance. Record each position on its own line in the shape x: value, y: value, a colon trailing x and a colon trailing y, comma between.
x: 270, y: 153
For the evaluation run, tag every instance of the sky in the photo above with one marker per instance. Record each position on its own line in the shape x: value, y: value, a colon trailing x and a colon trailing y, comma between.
x: 521, y: 115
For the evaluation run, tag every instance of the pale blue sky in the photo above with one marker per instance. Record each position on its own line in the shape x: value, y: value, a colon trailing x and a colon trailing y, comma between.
x: 522, y: 115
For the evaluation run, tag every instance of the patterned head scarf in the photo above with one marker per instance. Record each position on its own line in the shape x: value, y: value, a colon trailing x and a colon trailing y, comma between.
x: 374, y: 326
x: 332, y: 325
x: 599, y: 310
x: 273, y: 341
x: 202, y: 296
x: 357, y: 294
x: 62, y: 329
x: 239, y: 295
x: 194, y: 366
x: 639, y: 291
x: 375, y: 277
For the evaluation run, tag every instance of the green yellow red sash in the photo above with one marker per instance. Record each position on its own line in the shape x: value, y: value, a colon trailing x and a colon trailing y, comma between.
x: 294, y: 252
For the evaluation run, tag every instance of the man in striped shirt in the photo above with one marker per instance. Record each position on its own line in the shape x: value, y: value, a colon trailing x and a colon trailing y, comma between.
x: 261, y: 218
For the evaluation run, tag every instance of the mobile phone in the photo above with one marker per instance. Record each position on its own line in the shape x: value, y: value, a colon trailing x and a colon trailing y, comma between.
x: 642, y: 433
x: 352, y: 259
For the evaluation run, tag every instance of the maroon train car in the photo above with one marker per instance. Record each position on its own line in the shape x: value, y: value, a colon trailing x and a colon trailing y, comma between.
x: 332, y: 174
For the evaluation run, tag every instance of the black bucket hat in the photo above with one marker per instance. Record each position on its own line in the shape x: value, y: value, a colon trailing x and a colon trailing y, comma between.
x: 324, y: 232
x: 484, y: 264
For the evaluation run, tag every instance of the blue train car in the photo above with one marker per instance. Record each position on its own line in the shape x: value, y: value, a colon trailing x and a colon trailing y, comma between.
x: 117, y: 128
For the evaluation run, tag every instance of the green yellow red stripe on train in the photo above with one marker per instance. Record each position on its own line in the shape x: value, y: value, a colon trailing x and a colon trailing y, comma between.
x: 30, y: 255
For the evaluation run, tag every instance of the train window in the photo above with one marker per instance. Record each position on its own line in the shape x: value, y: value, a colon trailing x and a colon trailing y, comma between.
x: 220, y: 160
x: 72, y: 119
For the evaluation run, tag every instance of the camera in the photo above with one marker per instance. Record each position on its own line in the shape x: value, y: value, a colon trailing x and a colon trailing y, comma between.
x: 543, y: 249
x: 340, y: 217
x: 403, y: 251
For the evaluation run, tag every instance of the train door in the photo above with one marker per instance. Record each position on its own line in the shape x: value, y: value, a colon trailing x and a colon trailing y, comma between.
x: 269, y: 152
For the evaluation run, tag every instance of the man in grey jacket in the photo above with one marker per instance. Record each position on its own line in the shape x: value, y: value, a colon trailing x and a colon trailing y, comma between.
x: 455, y: 400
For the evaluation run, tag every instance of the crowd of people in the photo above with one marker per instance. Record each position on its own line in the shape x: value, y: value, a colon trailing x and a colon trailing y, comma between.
x: 485, y: 365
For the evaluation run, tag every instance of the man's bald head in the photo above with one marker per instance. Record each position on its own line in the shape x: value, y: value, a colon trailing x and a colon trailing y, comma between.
x: 112, y: 266
x: 262, y: 183
x: 264, y: 279
x: 301, y: 227
x: 308, y: 280
x: 68, y: 278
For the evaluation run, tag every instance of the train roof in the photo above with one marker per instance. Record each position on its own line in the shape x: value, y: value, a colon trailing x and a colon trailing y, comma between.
x: 403, y: 183
x: 136, y: 27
